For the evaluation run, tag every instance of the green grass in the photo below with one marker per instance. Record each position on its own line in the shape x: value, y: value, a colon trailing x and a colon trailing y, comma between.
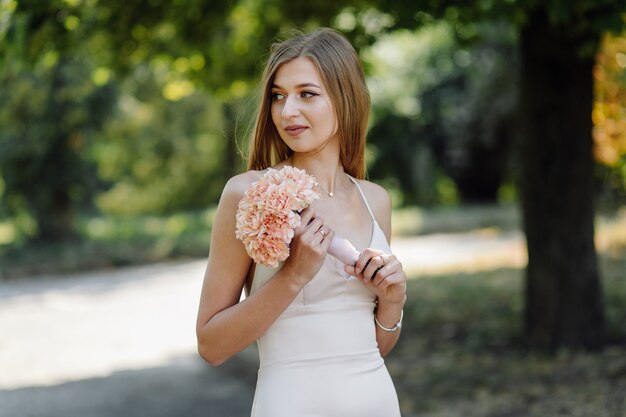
x: 461, y: 352
x: 413, y: 221
x: 111, y: 241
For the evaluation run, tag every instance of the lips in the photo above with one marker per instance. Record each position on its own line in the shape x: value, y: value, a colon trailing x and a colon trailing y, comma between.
x: 295, y: 130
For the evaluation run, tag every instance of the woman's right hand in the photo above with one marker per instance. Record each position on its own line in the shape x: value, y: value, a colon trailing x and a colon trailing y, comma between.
x: 308, y: 247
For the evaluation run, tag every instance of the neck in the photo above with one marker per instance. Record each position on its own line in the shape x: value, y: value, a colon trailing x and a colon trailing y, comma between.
x: 328, y: 171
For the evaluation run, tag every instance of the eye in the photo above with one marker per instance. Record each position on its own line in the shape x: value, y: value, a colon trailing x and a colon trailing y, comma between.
x: 276, y: 96
x: 308, y: 94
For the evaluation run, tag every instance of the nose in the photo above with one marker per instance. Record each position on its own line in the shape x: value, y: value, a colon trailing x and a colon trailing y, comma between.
x: 290, y: 107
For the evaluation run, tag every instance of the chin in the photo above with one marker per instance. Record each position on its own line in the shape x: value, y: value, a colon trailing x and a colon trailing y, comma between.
x: 300, y: 145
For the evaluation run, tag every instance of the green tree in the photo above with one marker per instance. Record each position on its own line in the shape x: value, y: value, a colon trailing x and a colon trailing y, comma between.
x: 59, y: 60
x: 443, y: 106
x: 558, y: 42
x: 159, y: 155
x: 184, y: 51
x: 51, y: 107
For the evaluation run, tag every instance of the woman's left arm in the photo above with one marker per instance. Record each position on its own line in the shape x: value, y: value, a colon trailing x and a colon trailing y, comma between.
x: 382, y: 274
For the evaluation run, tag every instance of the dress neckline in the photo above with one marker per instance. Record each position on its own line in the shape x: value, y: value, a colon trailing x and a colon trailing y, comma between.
x: 369, y: 210
x: 372, y: 240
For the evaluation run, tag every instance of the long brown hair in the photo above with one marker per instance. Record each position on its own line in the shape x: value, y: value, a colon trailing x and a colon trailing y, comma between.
x: 342, y: 74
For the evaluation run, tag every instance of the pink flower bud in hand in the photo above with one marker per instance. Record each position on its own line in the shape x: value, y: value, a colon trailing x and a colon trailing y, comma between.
x: 343, y: 250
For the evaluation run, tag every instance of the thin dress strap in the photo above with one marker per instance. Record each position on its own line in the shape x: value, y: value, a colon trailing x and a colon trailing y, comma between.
x: 362, y: 196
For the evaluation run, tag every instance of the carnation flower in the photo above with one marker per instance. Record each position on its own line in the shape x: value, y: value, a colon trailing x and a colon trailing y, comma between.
x: 268, y: 214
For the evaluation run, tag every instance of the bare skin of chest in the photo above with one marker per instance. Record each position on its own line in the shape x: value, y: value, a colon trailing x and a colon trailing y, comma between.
x: 347, y: 215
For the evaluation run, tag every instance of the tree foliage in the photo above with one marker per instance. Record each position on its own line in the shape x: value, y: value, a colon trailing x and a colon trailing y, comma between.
x: 176, y: 74
x: 609, y: 111
x: 442, y: 106
x: 51, y: 109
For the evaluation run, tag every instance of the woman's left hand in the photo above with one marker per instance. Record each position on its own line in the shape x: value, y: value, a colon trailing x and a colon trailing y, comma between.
x: 382, y: 273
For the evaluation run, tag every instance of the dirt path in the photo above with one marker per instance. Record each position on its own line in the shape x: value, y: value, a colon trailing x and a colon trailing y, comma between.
x: 122, y: 342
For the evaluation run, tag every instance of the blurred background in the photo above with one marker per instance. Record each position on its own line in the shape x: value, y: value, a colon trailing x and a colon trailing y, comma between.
x: 499, y: 127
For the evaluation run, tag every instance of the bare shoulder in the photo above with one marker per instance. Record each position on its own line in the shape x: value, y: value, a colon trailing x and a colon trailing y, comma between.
x: 380, y: 202
x: 224, y: 244
x: 377, y: 196
x: 236, y: 186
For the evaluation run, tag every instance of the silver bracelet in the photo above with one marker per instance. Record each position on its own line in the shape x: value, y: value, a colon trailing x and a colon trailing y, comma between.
x: 395, y: 327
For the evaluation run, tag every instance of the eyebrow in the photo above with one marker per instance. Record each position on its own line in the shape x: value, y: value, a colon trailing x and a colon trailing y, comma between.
x: 299, y: 85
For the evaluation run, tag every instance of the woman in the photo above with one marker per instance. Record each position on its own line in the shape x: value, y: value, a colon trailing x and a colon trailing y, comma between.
x: 322, y: 327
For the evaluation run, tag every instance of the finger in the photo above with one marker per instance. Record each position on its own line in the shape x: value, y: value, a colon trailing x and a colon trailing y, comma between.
x: 350, y: 269
x: 378, y: 275
x: 364, y: 259
x: 328, y: 238
x: 386, y: 268
x: 367, y: 264
x: 374, y: 264
x: 314, y: 226
x: 324, y: 231
x: 391, y: 280
x: 353, y: 270
x: 386, y: 276
x: 319, y: 235
x: 305, y: 218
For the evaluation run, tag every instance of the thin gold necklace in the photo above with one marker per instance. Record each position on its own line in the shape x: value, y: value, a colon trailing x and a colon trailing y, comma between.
x: 329, y: 193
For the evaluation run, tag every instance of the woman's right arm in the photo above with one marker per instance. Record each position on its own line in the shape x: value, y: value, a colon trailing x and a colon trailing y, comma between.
x: 226, y: 326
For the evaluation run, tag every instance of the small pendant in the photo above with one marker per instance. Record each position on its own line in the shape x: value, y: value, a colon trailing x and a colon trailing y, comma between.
x: 330, y: 194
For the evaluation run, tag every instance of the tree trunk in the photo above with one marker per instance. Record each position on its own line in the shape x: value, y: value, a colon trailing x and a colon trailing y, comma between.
x: 564, y: 306
x: 51, y: 201
x: 56, y: 221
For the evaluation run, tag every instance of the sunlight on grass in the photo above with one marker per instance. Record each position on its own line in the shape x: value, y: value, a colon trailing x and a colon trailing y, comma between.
x: 413, y: 221
x: 478, y: 250
x: 474, y: 239
x: 148, y: 226
x: 113, y: 241
x: 461, y: 352
x: 611, y: 233
x: 7, y: 233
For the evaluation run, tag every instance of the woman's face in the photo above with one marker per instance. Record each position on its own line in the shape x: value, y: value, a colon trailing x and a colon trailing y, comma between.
x: 301, y: 108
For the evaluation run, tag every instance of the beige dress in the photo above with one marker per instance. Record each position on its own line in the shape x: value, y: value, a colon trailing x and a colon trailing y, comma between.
x: 320, y: 357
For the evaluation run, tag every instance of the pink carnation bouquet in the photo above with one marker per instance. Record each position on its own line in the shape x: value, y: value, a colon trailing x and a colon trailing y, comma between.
x: 268, y: 214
